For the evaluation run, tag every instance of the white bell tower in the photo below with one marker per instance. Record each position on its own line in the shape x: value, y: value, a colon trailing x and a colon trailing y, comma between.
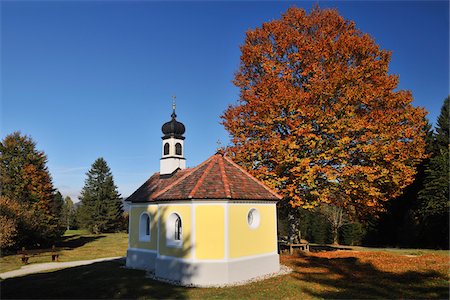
x: 172, y: 145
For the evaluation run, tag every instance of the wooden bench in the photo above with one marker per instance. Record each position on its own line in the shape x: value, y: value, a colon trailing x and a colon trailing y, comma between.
x: 301, y: 246
x: 284, y: 246
x: 26, y: 254
x: 55, y: 255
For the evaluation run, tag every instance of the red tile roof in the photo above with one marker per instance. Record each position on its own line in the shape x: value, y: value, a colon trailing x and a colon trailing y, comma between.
x: 216, y: 178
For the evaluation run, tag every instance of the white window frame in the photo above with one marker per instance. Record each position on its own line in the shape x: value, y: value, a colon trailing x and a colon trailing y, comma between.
x: 170, y: 231
x: 143, y: 236
x: 168, y: 148
x: 181, y: 149
x: 253, y: 218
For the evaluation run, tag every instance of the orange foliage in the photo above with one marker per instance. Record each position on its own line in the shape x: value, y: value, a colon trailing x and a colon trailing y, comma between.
x: 318, y: 116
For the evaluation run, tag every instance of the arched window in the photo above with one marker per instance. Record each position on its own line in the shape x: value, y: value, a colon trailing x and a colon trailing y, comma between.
x: 174, y: 230
x: 166, y: 149
x: 178, y: 149
x: 144, y: 227
x: 178, y: 229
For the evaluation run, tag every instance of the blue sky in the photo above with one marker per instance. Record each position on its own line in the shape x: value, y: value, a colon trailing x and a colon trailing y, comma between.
x: 95, y: 78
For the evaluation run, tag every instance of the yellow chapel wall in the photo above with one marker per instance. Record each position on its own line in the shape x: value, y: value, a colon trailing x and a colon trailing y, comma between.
x: 135, y: 214
x: 210, y: 232
x: 247, y: 241
x: 184, y: 211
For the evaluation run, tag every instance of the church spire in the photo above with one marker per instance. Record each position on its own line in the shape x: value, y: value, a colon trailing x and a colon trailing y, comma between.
x: 173, y: 144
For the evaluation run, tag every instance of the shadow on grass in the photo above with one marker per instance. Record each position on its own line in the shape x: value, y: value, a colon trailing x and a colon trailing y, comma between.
x: 76, y: 241
x: 322, y: 248
x: 105, y: 280
x: 349, y: 278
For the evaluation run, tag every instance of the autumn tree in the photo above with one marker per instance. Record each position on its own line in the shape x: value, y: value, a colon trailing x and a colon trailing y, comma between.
x: 101, y: 205
x: 10, y: 219
x: 319, y: 117
x: 26, y: 183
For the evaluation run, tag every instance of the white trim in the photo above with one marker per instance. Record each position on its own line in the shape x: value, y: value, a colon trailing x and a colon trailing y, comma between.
x: 226, y: 234
x: 200, y: 201
x: 174, y: 243
x: 129, y: 228
x: 252, y: 203
x: 212, y: 202
x: 136, y: 205
x: 208, y: 202
x: 190, y: 260
x: 276, y: 227
x: 142, y: 250
x: 252, y: 256
x: 158, y: 220
x: 177, y: 203
x: 193, y: 229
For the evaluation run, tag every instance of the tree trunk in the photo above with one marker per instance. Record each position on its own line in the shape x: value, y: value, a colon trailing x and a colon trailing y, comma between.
x: 334, y: 232
x: 294, y: 227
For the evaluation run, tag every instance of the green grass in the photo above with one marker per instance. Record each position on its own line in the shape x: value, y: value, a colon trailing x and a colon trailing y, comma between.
x: 75, y: 245
x: 340, y: 274
x: 71, y: 232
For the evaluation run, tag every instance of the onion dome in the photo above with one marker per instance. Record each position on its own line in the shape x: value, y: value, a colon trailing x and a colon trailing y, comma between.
x: 173, y: 128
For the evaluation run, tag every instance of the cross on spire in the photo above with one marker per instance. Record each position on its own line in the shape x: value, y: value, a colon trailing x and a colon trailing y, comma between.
x: 174, y: 105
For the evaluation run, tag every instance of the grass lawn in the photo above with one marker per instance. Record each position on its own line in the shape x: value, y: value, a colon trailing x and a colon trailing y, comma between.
x: 75, y: 245
x: 343, y: 274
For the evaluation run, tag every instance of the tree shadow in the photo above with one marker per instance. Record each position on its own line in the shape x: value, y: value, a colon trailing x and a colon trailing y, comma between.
x: 349, y: 278
x: 173, y: 264
x: 326, y: 248
x: 103, y: 280
x: 66, y: 243
x: 76, y: 241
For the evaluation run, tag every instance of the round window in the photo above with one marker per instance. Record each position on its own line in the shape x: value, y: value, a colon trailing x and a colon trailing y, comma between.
x: 253, y: 218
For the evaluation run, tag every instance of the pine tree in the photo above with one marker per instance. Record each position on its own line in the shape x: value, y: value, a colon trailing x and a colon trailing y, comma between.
x: 25, y: 179
x: 57, y: 205
x: 434, y: 197
x: 397, y: 225
x: 101, y: 205
x: 442, y: 129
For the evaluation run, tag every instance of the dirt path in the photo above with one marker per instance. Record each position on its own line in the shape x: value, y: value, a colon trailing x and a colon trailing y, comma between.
x: 36, y: 268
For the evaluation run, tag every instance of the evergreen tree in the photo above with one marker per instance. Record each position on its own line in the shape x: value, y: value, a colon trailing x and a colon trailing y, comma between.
x: 101, y: 205
x: 442, y: 129
x: 57, y: 205
x: 434, y: 197
x: 25, y: 179
x: 319, y: 228
x: 398, y: 225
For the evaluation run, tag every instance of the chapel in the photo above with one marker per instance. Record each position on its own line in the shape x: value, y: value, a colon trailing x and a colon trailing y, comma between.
x: 214, y: 224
